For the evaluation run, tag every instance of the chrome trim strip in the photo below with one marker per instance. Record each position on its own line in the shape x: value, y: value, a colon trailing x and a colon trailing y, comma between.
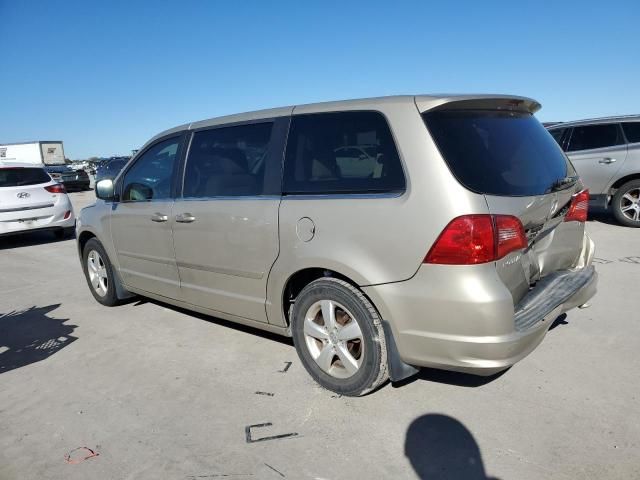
x: 20, y: 209
x: 223, y: 271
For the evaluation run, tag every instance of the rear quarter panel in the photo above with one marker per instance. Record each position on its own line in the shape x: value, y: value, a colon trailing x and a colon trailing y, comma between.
x: 373, y: 239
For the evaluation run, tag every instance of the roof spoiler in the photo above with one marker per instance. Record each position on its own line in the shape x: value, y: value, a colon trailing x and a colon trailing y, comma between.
x: 477, y: 102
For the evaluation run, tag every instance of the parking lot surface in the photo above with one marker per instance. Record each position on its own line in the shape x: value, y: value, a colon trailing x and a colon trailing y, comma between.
x: 157, y: 392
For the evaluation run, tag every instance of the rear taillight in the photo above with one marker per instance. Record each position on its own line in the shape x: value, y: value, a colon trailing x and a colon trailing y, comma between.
x: 510, y: 233
x: 473, y: 239
x: 57, y: 188
x: 67, y: 214
x: 579, y: 207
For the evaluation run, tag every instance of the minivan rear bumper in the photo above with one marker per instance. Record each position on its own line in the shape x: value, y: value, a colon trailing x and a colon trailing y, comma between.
x: 462, y: 318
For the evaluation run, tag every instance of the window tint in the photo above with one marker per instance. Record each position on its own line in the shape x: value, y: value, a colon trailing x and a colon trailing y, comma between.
x: 346, y: 152
x: 594, y: 136
x: 557, y: 134
x: 498, y: 153
x: 632, y: 131
x: 228, y: 161
x: 17, y: 177
x: 151, y: 176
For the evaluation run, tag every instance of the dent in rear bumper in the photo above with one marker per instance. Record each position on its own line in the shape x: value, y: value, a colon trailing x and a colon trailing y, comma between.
x: 462, y: 319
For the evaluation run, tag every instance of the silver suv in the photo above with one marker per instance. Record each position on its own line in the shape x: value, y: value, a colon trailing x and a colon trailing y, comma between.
x: 606, y: 154
x: 382, y: 234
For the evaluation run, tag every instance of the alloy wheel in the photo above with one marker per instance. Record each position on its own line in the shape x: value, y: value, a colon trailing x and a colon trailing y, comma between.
x: 97, y: 273
x: 630, y: 204
x: 333, y: 338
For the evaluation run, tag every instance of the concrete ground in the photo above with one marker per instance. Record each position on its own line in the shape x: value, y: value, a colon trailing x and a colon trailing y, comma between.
x: 159, y: 393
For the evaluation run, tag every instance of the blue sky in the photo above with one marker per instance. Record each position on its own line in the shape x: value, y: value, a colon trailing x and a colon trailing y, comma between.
x: 105, y: 76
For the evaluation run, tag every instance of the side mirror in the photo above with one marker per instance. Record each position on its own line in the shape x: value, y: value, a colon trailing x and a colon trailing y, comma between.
x: 105, y: 189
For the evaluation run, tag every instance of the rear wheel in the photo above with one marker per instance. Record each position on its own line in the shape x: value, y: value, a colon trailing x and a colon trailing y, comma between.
x: 626, y: 204
x: 99, y: 273
x: 339, y: 337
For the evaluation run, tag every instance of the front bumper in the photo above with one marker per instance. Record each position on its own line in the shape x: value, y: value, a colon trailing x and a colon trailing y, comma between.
x: 463, y: 319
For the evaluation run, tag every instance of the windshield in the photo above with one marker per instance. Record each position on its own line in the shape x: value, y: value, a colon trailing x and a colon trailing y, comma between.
x: 499, y: 153
x: 17, y: 177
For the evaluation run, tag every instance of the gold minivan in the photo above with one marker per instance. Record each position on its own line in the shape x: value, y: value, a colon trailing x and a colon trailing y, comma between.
x: 382, y: 234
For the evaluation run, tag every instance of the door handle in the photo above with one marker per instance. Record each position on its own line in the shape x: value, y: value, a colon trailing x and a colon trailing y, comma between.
x: 159, y: 217
x: 185, y: 218
x: 607, y: 160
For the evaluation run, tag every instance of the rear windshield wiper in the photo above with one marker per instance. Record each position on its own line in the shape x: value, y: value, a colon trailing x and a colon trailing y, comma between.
x: 562, y: 183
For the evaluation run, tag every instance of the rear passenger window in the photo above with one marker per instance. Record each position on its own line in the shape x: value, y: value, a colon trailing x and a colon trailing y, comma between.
x: 594, y: 136
x: 632, y: 131
x: 227, y: 161
x: 345, y: 152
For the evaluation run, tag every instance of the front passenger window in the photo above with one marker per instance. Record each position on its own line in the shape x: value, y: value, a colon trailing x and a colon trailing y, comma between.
x: 151, y: 176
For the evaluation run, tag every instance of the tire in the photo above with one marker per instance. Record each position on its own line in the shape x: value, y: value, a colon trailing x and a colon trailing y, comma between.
x: 322, y: 349
x: 626, y: 204
x: 103, y: 290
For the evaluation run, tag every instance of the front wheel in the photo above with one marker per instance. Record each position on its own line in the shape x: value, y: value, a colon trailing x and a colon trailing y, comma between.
x: 99, y: 273
x: 339, y: 337
x: 626, y: 204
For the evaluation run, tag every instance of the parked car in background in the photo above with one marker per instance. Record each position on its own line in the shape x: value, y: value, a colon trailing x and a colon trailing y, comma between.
x: 86, y: 166
x: 382, y: 234
x: 110, y: 168
x: 606, y: 154
x: 70, y: 178
x: 31, y: 200
x: 49, y: 155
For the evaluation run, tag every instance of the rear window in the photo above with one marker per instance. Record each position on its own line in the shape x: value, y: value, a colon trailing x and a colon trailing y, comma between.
x: 632, y: 131
x: 498, y: 153
x: 18, y: 177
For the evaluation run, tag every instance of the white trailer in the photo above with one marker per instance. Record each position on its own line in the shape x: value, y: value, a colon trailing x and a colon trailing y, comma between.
x: 42, y: 152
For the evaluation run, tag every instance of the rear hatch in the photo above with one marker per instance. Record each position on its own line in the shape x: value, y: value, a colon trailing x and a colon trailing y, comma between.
x: 500, y: 150
x: 23, y: 194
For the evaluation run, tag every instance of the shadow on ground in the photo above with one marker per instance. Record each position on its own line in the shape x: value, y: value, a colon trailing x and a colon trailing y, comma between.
x: 602, y: 215
x: 29, y: 336
x: 29, y: 239
x: 439, y: 447
x: 137, y: 301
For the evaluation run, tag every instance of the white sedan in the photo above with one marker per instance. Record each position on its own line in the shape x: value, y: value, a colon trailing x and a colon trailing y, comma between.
x: 31, y: 200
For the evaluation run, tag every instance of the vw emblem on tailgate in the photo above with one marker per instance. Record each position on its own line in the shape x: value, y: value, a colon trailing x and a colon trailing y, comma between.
x: 23, y: 195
